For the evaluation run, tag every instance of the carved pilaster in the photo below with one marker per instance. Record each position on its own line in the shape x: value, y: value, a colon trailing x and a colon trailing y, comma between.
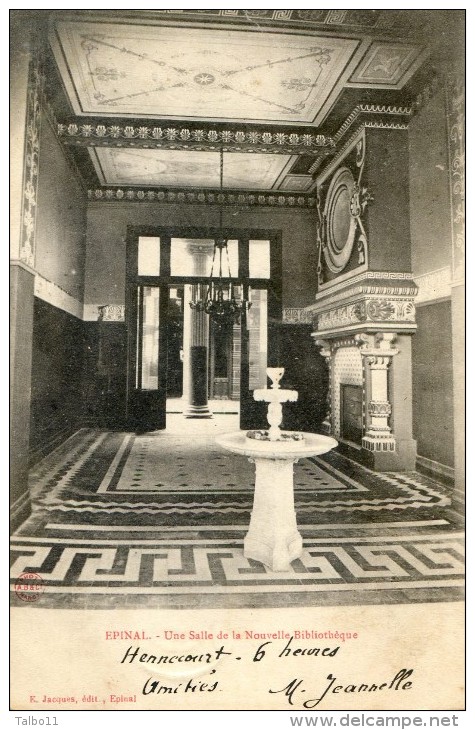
x: 325, y: 351
x: 31, y: 159
x: 377, y: 352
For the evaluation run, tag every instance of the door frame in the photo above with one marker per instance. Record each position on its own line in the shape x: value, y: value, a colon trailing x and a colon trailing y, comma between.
x: 146, y: 410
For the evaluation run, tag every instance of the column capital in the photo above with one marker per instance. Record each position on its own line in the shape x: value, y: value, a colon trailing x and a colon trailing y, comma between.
x: 200, y: 247
x: 325, y: 348
x: 378, y: 346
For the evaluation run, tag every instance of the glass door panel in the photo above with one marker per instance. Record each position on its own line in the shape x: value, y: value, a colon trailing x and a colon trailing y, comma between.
x: 148, y: 256
x: 147, y: 396
x: 148, y: 340
x: 259, y: 259
x: 194, y: 257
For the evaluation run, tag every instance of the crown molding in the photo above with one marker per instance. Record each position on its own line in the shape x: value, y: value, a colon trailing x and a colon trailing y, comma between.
x: 375, y: 115
x: 201, y: 197
x: 180, y: 136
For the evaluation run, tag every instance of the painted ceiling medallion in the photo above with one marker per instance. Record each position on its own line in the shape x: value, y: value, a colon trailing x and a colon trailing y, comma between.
x: 189, y: 73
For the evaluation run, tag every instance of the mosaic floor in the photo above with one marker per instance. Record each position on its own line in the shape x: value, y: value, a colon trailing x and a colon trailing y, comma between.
x: 159, y: 519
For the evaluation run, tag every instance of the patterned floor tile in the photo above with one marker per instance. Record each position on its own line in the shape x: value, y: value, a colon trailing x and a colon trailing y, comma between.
x: 159, y: 520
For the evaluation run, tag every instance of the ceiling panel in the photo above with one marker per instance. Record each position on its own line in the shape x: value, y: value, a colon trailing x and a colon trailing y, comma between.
x: 186, y: 168
x: 385, y: 64
x: 188, y: 73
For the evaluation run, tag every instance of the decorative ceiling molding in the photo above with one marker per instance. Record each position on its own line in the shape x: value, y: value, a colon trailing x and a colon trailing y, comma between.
x: 184, y: 137
x: 378, y: 21
x: 201, y: 197
x: 371, y: 110
x: 180, y: 137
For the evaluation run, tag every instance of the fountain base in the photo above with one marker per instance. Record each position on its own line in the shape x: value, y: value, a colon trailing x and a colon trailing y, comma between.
x: 273, y: 537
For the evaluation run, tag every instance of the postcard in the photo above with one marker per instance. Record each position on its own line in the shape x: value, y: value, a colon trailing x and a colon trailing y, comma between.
x: 237, y: 397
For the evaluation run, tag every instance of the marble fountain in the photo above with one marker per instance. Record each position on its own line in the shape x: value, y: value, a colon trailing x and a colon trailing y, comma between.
x: 273, y: 538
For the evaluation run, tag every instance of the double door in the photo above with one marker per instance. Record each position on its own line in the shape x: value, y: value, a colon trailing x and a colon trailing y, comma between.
x: 161, y: 278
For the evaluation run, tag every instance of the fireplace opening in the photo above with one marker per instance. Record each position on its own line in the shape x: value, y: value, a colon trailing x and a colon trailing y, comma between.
x: 351, y: 413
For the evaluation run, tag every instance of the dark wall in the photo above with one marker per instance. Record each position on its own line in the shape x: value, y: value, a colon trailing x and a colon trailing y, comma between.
x: 433, y: 383
x: 61, y: 220
x: 388, y: 215
x: 56, y: 377
x: 307, y: 372
x: 107, y: 228
x: 105, y: 367
x: 430, y: 188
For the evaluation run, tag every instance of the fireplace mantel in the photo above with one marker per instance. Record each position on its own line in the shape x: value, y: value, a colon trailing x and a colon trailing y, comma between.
x: 366, y: 303
x: 363, y: 327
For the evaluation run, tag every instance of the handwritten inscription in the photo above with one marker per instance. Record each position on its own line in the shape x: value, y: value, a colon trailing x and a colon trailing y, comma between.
x: 297, y: 691
x: 296, y: 687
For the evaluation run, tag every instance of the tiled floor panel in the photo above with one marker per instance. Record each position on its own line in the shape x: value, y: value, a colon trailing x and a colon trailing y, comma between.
x: 159, y: 520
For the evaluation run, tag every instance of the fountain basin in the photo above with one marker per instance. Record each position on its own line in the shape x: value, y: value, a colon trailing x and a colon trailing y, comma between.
x: 286, y: 439
x: 311, y: 444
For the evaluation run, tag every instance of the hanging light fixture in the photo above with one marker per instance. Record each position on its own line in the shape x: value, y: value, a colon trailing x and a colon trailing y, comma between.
x: 224, y: 300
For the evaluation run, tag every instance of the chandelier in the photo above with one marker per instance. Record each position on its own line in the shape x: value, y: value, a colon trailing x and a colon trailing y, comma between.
x: 224, y: 299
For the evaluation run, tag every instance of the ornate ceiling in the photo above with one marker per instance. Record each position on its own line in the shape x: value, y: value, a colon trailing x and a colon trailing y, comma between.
x: 144, y: 71
x: 147, y: 98
x: 187, y: 168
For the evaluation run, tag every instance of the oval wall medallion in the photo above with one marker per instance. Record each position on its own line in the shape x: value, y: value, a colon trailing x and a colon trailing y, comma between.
x: 340, y: 224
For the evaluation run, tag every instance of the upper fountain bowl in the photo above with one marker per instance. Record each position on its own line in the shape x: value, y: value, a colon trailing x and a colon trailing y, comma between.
x: 275, y: 376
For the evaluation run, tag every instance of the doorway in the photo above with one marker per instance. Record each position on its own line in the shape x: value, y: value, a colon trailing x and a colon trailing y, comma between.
x: 180, y: 362
x: 221, y: 355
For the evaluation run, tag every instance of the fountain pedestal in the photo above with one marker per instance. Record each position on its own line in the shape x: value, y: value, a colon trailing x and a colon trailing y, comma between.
x: 273, y: 537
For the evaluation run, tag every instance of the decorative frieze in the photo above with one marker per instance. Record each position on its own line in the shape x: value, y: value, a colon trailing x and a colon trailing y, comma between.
x: 364, y: 303
x: 111, y: 313
x: 434, y: 285
x: 201, y: 197
x: 373, y: 109
x: 456, y: 130
x: 382, y: 283
x: 296, y: 315
x: 367, y: 312
x: 180, y: 137
x: 31, y: 160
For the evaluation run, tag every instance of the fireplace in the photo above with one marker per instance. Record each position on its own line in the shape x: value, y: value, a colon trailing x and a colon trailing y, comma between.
x: 366, y: 341
x: 351, y: 413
